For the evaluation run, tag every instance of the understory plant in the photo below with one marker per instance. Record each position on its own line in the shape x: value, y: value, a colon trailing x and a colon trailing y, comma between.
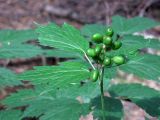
x: 85, y: 83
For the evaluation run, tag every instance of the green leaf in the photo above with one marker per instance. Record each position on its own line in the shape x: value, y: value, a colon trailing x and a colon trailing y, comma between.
x: 22, y: 97
x: 110, y: 72
x: 26, y: 97
x: 57, y: 109
x: 133, y: 90
x: 145, y: 97
x: 10, y: 115
x: 144, y: 66
x: 8, y: 78
x: 65, y: 108
x: 61, y: 54
x: 123, y: 26
x: 113, y: 108
x: 150, y: 105
x: 58, y: 76
x: 19, y: 51
x: 133, y: 42
x: 65, y: 38
x: 17, y: 36
x: 90, y: 29
x: 41, y: 102
x: 86, y: 91
x: 11, y: 44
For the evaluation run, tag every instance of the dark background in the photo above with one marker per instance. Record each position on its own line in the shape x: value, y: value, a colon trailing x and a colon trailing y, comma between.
x: 21, y: 14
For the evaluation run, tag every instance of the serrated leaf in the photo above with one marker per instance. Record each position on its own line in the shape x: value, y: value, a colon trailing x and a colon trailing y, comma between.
x: 61, y: 54
x: 10, y: 115
x: 12, y: 36
x: 123, y: 26
x: 67, y: 109
x: 41, y: 102
x: 90, y: 29
x: 133, y: 90
x: 86, y: 91
x: 58, y: 76
x: 144, y: 66
x: 8, y: 78
x: 26, y: 97
x: 145, y: 97
x: 19, y: 51
x: 58, y: 109
x: 150, y: 105
x: 65, y: 38
x: 22, y: 97
x: 110, y: 72
x: 133, y: 42
x: 113, y: 108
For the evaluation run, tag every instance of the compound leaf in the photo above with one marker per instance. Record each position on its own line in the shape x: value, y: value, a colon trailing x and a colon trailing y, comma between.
x: 133, y: 90
x: 19, y: 51
x: 123, y: 26
x: 8, y: 78
x: 134, y: 42
x: 58, y: 76
x: 145, y: 97
x: 24, y: 97
x: 62, y: 54
x: 86, y: 91
x: 150, y: 105
x: 113, y: 108
x: 17, y: 36
x: 41, y: 102
x: 65, y: 38
x: 69, y: 109
x: 144, y: 66
x: 90, y: 29
x: 10, y: 115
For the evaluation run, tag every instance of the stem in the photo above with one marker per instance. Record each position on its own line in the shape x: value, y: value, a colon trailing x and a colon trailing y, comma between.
x: 102, y: 93
x: 89, y: 61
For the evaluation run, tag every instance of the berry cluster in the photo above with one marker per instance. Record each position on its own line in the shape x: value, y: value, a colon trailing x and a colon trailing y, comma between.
x: 104, y: 43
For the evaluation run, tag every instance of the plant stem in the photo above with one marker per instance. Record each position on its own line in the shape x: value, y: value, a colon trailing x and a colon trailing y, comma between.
x: 89, y: 61
x: 102, y: 93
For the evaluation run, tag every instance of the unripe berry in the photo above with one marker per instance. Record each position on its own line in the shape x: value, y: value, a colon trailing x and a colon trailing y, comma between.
x: 94, y: 75
x: 107, y: 40
x: 107, y: 61
x: 98, y: 38
x: 98, y: 49
x: 118, y: 60
x: 116, y: 45
x: 109, y: 32
x: 91, y: 52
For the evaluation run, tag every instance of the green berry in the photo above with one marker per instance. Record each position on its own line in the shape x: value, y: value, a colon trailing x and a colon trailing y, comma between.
x: 116, y: 45
x: 98, y: 49
x: 91, y: 52
x: 107, y: 40
x: 107, y: 61
x: 97, y: 38
x: 109, y: 32
x: 94, y: 75
x: 118, y: 60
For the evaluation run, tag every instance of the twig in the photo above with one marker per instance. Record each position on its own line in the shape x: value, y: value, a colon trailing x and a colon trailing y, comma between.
x: 89, y: 61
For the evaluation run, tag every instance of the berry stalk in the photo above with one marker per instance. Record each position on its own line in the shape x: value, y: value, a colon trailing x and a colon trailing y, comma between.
x: 102, y: 94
